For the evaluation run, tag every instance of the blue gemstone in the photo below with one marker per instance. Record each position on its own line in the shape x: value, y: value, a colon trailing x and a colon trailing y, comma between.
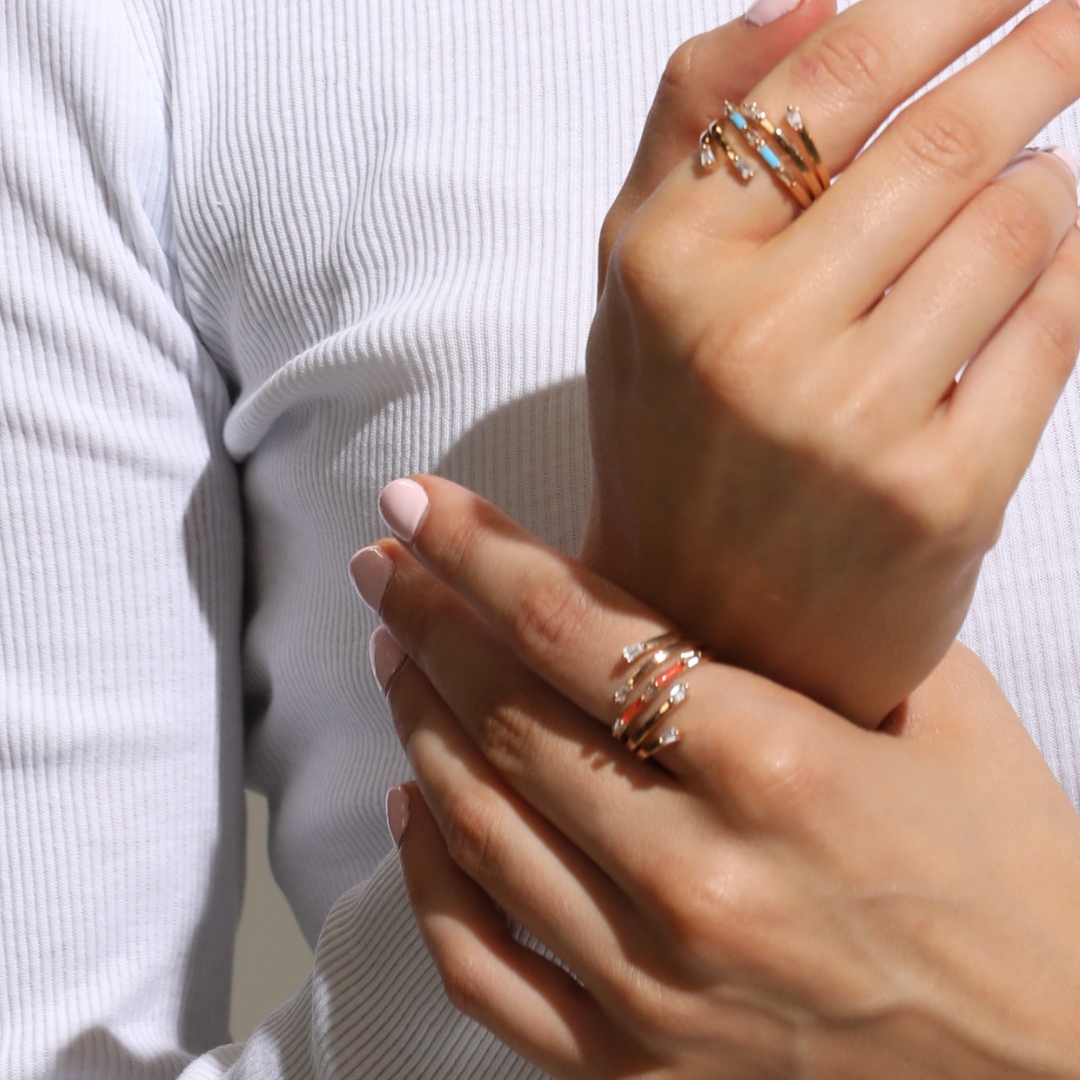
x: 771, y: 159
x: 738, y: 120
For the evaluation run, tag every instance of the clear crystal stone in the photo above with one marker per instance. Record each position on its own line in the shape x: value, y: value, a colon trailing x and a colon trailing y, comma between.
x: 622, y: 695
x: 746, y: 170
x: 794, y: 118
x: 668, y: 738
x: 708, y: 155
x: 678, y: 694
x: 633, y: 652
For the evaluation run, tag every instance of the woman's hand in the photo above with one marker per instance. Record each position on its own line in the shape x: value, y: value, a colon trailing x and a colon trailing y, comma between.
x: 784, y: 463
x: 794, y: 897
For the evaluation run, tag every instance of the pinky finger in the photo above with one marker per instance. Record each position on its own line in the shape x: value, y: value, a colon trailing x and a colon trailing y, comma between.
x: 1006, y: 397
x: 524, y: 999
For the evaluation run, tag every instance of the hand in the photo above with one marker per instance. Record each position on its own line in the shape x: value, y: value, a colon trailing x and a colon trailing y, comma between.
x: 784, y: 463
x: 795, y: 897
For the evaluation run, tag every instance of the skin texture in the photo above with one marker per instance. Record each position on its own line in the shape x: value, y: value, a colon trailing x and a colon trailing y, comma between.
x: 783, y: 461
x: 790, y: 896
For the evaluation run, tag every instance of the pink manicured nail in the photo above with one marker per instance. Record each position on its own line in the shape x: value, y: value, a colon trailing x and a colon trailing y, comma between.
x: 371, y: 572
x: 397, y: 812
x: 403, y: 505
x: 386, y: 656
x: 1064, y: 155
x: 766, y: 11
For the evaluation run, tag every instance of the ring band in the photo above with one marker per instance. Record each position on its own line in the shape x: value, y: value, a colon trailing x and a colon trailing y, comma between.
x: 767, y: 154
x: 713, y: 136
x: 801, y: 171
x: 806, y: 173
x: 643, y: 706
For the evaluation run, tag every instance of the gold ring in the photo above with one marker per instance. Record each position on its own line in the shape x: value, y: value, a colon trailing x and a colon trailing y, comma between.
x: 801, y: 171
x: 643, y: 705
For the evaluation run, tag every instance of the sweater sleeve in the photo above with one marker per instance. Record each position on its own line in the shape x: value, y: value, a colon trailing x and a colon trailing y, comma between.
x: 122, y: 738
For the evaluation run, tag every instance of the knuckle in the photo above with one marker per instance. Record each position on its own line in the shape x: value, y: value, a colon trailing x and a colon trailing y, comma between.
x: 460, y: 540
x: 782, y: 775
x: 507, y: 735
x: 678, y: 73
x: 848, y: 64
x: 549, y: 618
x: 941, y: 496
x: 471, y: 833
x: 939, y: 140
x: 1055, y: 47
x: 1017, y: 225
x: 1054, y: 331
x: 639, y: 261
x: 462, y: 980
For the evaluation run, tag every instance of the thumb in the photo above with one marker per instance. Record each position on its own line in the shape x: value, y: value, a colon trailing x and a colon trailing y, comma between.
x: 726, y: 63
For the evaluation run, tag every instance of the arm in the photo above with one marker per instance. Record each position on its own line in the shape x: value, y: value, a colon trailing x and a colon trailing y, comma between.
x: 121, y: 729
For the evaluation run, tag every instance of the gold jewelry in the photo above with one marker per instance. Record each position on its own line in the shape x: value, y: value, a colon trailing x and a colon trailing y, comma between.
x: 795, y: 119
x: 659, y: 661
x: 806, y: 173
x: 636, y: 739
x: 712, y: 137
x: 805, y: 180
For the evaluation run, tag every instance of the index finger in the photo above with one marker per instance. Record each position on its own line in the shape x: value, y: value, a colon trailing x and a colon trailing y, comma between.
x: 561, y: 619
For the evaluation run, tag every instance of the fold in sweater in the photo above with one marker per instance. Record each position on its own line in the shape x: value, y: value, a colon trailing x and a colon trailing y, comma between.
x: 260, y: 259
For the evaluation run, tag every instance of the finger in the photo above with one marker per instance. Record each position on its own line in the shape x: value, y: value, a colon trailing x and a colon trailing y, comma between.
x: 568, y: 626
x: 959, y: 291
x: 702, y: 73
x: 524, y: 863
x: 936, y: 157
x: 848, y: 78
x: 559, y: 617
x: 562, y: 764
x: 524, y: 999
x: 1005, y: 398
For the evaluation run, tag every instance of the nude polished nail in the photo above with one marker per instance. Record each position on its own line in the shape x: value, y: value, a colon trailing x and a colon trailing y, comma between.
x: 403, y: 505
x: 397, y: 812
x: 386, y: 656
x: 766, y: 11
x: 1064, y: 155
x: 371, y: 572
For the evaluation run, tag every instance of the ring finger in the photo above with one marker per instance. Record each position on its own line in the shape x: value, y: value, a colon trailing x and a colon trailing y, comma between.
x: 516, y: 856
x: 961, y: 289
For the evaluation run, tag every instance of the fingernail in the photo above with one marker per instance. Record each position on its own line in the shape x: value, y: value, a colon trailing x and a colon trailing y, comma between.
x: 403, y: 505
x: 371, y: 572
x: 766, y: 11
x: 397, y: 812
x: 1062, y: 154
x: 386, y: 656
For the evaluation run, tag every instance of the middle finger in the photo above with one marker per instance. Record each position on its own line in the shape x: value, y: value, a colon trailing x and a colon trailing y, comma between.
x: 942, y: 151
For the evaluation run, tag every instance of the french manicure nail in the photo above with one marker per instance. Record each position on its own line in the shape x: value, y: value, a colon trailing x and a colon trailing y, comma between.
x: 403, y: 505
x: 386, y: 656
x: 397, y: 812
x: 766, y: 11
x: 371, y: 572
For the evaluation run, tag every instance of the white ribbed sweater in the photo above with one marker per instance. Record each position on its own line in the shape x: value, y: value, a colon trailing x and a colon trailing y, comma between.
x: 335, y: 241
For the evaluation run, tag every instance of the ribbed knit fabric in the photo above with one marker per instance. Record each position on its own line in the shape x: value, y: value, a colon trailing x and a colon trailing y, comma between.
x: 259, y: 259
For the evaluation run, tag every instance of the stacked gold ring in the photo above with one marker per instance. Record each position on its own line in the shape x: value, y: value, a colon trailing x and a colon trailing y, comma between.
x: 651, y: 691
x: 801, y: 171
